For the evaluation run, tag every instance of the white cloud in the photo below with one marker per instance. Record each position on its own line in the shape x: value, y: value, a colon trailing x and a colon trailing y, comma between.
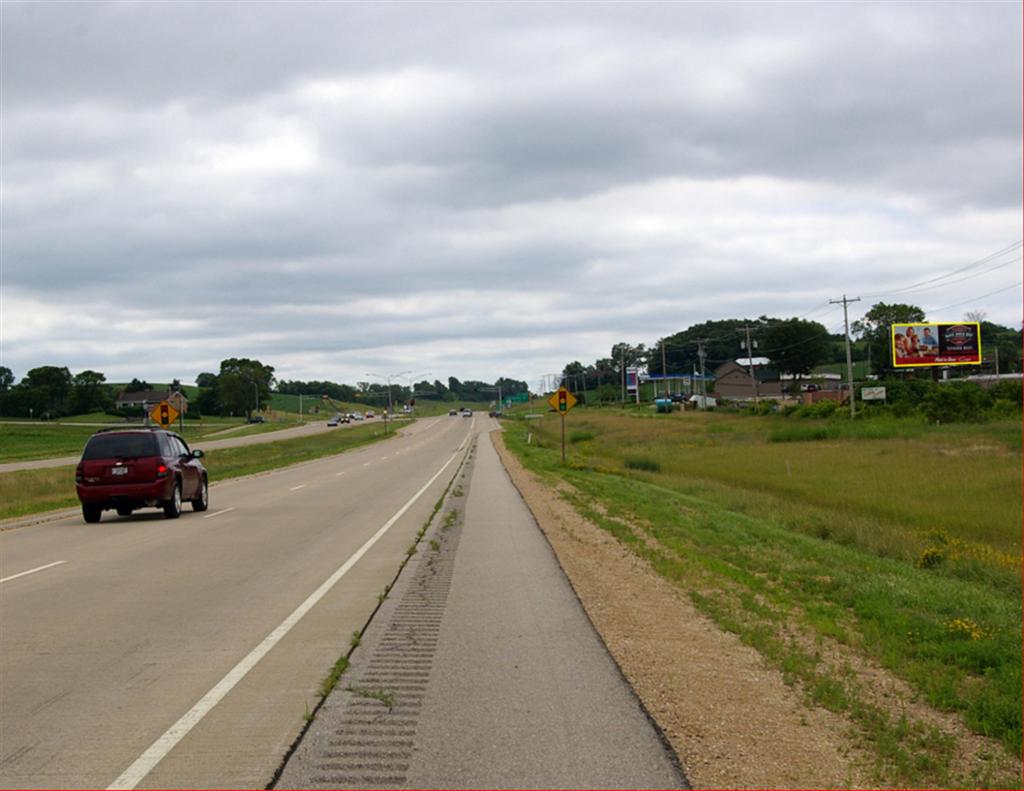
x: 485, y: 191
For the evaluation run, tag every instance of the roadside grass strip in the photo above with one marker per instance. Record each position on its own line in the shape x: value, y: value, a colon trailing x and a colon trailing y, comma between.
x: 25, y: 492
x: 819, y: 605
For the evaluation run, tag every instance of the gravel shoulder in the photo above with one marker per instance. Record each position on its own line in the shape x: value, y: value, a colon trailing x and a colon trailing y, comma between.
x: 732, y: 721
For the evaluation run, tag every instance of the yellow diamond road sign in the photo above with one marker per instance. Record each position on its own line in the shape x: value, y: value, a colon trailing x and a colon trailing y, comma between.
x: 164, y: 414
x: 562, y: 401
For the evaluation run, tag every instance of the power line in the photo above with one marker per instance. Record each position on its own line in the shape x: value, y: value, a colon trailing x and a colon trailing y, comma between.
x: 974, y: 299
x: 980, y: 262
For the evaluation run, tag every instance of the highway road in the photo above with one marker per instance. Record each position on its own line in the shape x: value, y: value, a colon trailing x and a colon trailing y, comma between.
x: 143, y: 652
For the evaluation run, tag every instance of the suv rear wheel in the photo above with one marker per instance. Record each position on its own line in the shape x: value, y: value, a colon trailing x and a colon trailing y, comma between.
x: 202, y: 502
x: 172, y: 507
x: 91, y: 513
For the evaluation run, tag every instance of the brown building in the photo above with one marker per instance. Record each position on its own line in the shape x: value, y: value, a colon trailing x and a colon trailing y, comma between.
x: 733, y: 381
x: 150, y: 398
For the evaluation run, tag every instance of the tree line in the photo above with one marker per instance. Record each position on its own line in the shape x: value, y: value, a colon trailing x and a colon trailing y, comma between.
x: 794, y: 346
x: 242, y: 386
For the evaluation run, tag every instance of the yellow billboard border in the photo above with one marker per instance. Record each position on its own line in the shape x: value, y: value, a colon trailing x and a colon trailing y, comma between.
x: 892, y: 342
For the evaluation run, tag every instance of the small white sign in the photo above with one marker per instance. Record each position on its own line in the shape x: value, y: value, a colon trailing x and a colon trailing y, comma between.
x: 872, y: 394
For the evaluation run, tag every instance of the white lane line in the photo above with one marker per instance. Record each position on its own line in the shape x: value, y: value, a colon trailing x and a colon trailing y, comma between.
x: 218, y: 513
x: 338, y: 474
x: 33, y: 571
x: 296, y: 488
x: 367, y: 464
x: 145, y: 763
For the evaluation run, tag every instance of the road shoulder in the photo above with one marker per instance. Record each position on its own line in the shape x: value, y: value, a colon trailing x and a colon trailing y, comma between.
x: 733, y: 721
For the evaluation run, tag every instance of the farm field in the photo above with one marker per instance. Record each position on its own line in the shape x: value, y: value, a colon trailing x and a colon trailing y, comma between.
x: 884, y: 543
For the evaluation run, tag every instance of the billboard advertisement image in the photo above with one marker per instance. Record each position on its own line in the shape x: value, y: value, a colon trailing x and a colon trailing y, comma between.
x: 936, y: 344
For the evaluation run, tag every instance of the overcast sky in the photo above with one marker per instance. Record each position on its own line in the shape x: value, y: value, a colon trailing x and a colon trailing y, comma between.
x: 483, y: 190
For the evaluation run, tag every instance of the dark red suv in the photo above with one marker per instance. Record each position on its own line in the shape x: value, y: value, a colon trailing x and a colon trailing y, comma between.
x: 127, y: 469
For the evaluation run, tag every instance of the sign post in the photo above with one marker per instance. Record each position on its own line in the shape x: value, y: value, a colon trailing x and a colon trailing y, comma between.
x: 562, y: 401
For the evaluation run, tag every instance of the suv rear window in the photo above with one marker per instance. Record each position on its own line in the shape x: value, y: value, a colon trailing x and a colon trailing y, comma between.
x: 119, y: 446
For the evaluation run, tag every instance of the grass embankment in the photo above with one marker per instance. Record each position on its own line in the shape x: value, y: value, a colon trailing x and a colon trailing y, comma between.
x: 895, y: 543
x: 29, y: 441
x: 27, y: 492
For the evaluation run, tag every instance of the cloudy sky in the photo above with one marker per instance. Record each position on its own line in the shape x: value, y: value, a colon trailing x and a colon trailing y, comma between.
x: 486, y: 189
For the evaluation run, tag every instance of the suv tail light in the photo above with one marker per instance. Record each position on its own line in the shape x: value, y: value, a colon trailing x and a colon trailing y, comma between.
x: 161, y: 471
x: 79, y: 474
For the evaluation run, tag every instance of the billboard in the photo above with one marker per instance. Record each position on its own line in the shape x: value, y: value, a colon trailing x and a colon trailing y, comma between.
x: 631, y: 380
x: 936, y: 344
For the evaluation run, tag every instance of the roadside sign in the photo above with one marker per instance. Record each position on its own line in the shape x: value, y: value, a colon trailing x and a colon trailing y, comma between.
x: 562, y: 401
x: 164, y: 414
x: 872, y: 394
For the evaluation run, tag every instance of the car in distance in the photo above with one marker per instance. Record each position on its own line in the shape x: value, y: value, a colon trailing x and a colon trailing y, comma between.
x: 128, y: 469
x: 370, y: 415
x: 453, y: 412
x: 334, y: 421
x: 257, y: 419
x: 467, y: 412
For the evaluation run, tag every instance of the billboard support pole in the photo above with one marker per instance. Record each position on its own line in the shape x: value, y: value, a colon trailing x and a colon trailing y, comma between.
x: 849, y: 354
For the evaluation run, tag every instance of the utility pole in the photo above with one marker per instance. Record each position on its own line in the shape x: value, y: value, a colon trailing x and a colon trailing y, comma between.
x: 849, y: 353
x: 750, y: 361
x: 701, y: 354
x: 622, y: 370
x: 664, y: 370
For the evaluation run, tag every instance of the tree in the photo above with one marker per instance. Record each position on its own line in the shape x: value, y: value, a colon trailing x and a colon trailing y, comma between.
x: 6, y: 378
x: 1002, y: 344
x: 796, y: 346
x: 206, y: 380
x: 89, y: 393
x: 49, y: 387
x: 876, y: 329
x: 136, y: 386
x: 242, y: 383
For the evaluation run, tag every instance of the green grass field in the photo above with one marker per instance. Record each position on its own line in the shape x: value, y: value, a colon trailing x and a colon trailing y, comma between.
x: 894, y: 541
x: 31, y: 440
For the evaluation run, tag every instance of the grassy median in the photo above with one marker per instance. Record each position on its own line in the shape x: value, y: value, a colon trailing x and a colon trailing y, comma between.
x: 890, y: 543
x: 27, y: 492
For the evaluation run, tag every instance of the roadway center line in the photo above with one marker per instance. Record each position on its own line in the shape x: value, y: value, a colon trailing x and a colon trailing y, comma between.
x: 218, y: 513
x: 33, y: 571
x: 296, y: 488
x: 338, y: 474
x: 145, y: 763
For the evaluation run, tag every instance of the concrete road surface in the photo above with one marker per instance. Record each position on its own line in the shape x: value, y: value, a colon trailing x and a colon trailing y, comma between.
x: 482, y: 671
x: 145, y: 652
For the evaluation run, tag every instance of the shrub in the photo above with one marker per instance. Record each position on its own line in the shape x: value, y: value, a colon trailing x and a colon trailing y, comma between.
x: 580, y: 436
x: 951, y: 402
x: 642, y: 463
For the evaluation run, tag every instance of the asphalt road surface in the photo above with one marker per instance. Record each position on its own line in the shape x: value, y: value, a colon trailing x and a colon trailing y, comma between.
x: 482, y: 670
x: 145, y: 652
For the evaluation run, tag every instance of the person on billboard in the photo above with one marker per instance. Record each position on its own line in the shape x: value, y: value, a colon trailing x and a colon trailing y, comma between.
x: 911, y: 342
x: 900, y: 341
x: 929, y: 343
